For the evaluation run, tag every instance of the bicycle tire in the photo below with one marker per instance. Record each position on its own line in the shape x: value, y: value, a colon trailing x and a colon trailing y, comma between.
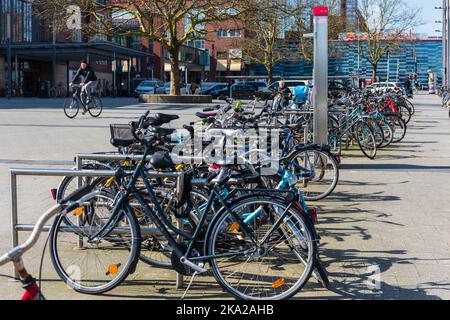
x: 377, y: 132
x: 303, y: 231
x: 388, y: 134
x: 367, y: 141
x: 95, y: 111
x: 324, y: 159
x: 68, y: 273
x: 405, y: 112
x: 398, y: 126
x: 69, y: 105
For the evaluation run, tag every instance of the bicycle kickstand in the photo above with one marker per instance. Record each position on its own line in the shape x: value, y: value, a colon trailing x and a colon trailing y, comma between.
x: 190, y: 284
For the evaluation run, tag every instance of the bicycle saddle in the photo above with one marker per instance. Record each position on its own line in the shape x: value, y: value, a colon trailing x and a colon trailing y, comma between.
x: 166, y: 118
x: 204, y: 115
x: 161, y: 160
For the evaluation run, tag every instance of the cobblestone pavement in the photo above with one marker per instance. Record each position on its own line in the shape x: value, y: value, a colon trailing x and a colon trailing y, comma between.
x: 384, y: 231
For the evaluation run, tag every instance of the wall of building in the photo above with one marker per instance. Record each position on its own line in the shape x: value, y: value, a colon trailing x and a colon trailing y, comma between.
x: 2, y: 77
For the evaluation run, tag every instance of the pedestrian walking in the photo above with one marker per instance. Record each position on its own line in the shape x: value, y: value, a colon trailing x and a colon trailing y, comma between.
x: 408, y: 86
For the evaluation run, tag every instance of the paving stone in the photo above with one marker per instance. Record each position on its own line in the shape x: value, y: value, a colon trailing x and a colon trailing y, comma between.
x: 391, y: 213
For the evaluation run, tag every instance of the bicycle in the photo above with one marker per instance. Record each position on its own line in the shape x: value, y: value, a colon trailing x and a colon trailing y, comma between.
x: 58, y: 91
x: 244, y: 257
x: 72, y: 104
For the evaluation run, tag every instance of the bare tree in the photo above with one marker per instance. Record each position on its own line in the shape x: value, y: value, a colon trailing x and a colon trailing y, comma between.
x: 169, y: 22
x: 271, y: 24
x: 385, y: 24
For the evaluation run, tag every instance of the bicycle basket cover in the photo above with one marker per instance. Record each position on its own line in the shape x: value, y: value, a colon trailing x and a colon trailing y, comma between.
x: 121, y: 135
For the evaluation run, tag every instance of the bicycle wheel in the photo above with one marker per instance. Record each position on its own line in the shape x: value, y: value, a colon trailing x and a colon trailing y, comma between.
x: 95, y: 107
x: 69, y: 185
x: 398, y: 126
x: 405, y: 113
x: 71, y: 107
x: 378, y: 132
x: 318, y: 171
x: 388, y: 133
x: 275, y: 262
x: 95, y: 265
x: 366, y: 140
x: 411, y: 106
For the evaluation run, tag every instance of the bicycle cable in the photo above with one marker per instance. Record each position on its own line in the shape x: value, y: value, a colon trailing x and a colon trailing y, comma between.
x: 41, y: 296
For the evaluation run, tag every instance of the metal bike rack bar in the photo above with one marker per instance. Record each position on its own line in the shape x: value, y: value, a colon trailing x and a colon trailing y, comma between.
x: 16, y: 227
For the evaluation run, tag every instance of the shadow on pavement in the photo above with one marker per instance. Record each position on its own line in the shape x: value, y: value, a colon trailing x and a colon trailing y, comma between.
x: 359, y: 276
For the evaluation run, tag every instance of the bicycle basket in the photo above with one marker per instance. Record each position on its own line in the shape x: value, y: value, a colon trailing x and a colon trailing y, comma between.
x: 121, y: 135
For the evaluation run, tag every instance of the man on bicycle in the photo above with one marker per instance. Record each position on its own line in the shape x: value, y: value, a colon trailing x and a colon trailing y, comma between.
x: 282, y: 96
x: 89, y: 80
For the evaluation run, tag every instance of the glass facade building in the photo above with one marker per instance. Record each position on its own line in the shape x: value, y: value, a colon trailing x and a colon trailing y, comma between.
x: 421, y: 56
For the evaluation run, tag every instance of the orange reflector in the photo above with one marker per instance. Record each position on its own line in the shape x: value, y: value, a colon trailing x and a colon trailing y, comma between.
x: 78, y: 212
x: 234, y: 227
x: 137, y: 213
x: 113, y: 269
x: 278, y: 283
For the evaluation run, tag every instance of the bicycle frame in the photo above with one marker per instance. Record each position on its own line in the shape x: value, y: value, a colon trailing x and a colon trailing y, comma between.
x: 163, y: 225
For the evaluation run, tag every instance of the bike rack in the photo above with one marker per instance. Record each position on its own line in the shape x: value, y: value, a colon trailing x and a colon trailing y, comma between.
x: 14, y: 173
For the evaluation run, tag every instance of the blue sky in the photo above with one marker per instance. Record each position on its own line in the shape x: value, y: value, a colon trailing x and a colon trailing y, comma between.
x: 429, y: 15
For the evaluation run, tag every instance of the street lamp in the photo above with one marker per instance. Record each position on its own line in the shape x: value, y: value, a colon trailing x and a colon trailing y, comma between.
x: 387, y: 70
x: 9, y: 41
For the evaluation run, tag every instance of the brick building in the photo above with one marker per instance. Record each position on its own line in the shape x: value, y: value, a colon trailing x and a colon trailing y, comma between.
x: 40, y: 58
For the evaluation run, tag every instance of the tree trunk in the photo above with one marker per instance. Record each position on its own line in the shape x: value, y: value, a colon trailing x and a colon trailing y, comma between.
x: 374, y: 72
x: 270, y: 73
x: 174, y: 73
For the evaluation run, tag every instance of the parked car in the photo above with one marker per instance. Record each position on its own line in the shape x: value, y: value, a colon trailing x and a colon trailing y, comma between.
x: 239, y: 90
x: 149, y: 87
x: 216, y: 87
x: 208, y: 85
x: 260, y: 85
x: 184, y: 90
x: 384, y: 86
x: 290, y: 83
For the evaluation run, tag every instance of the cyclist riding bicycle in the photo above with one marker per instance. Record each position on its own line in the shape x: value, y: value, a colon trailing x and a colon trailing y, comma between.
x: 89, y: 81
x: 282, y: 96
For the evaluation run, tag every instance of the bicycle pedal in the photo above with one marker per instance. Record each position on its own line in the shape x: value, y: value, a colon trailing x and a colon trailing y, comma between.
x: 198, y: 269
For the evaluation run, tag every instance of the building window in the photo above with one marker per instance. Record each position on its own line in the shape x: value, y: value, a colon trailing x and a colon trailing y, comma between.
x: 21, y: 21
x: 230, y: 33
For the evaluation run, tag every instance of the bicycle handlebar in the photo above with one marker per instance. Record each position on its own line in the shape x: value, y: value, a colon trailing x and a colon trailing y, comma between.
x: 18, y: 251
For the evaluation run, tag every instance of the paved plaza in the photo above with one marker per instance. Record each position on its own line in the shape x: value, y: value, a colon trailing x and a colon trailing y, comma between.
x: 385, y: 229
